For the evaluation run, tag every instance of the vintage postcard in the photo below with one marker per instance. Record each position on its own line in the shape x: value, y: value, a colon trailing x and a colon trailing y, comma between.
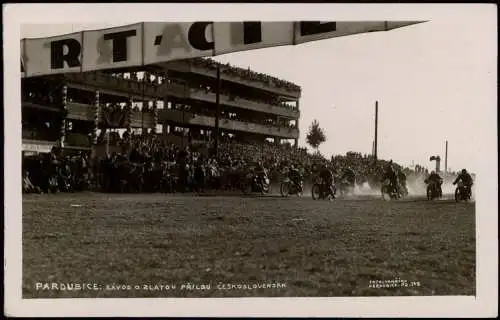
x: 326, y: 155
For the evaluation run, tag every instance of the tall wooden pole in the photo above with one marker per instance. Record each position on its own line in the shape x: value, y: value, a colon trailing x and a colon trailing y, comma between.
x: 446, y: 158
x: 217, y: 115
x: 375, y: 147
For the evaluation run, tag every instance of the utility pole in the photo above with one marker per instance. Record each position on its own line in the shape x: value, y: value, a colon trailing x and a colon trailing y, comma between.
x: 446, y: 158
x: 375, y: 147
x: 217, y: 115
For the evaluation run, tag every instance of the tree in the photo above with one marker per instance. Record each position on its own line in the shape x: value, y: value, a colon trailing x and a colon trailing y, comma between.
x: 316, y: 135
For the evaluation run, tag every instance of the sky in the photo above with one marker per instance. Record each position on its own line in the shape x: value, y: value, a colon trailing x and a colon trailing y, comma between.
x: 434, y: 81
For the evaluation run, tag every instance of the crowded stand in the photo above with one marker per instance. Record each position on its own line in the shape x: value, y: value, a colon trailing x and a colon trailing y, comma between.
x: 119, y: 159
x: 156, y: 79
x: 244, y: 73
x: 147, y: 163
x: 274, y: 101
x: 227, y: 69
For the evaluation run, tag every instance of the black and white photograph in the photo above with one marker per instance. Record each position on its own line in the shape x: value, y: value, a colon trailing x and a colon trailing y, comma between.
x: 328, y: 152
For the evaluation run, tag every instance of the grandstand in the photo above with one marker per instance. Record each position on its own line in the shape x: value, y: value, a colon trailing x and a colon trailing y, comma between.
x: 175, y: 100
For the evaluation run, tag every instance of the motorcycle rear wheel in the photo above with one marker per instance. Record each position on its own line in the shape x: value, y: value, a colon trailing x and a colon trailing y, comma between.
x: 387, y: 192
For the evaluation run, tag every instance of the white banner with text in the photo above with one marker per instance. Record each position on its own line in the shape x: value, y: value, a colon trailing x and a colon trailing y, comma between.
x: 150, y: 43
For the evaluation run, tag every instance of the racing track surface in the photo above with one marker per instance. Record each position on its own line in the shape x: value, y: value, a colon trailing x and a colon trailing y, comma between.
x: 312, y: 248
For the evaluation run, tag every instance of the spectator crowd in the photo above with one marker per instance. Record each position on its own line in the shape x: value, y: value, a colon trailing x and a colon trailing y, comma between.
x: 245, y: 73
x: 147, y: 163
x: 271, y: 100
x: 158, y: 79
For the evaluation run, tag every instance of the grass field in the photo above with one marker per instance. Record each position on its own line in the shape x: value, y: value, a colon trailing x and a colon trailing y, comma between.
x: 310, y: 248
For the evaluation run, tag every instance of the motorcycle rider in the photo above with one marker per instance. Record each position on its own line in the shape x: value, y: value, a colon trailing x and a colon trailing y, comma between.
x: 326, y: 175
x: 436, y: 178
x: 295, y: 176
x: 390, y: 174
x: 466, y: 179
x: 402, y: 181
x: 349, y: 175
x: 259, y: 171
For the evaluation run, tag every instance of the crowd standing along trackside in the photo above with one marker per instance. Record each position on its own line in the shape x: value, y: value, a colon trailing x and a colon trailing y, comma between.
x: 136, y: 127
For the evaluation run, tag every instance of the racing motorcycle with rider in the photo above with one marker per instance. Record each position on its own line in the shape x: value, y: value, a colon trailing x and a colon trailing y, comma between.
x: 293, y: 183
x: 325, y: 187
x: 464, y: 188
x: 347, y: 181
x: 256, y: 180
x: 434, y: 183
x: 390, y: 182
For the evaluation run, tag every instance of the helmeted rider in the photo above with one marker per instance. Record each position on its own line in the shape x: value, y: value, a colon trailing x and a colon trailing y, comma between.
x: 295, y: 176
x: 402, y: 180
x: 260, y: 172
x: 466, y: 179
x: 349, y: 175
x: 391, y: 175
x: 326, y: 175
x: 435, y: 178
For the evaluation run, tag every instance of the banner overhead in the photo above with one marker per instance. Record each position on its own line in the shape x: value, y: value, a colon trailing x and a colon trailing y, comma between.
x: 149, y: 43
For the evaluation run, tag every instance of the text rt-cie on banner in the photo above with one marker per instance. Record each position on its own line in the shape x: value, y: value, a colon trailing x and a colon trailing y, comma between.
x: 149, y: 43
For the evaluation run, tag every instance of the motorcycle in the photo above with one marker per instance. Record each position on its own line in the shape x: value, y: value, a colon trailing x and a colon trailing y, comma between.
x: 433, y: 190
x: 256, y: 183
x: 462, y: 192
x: 320, y: 191
x: 388, y: 189
x: 53, y: 185
x: 289, y: 187
x: 65, y: 184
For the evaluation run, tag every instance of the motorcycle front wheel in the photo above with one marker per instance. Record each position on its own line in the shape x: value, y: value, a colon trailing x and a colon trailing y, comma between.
x: 284, y: 189
x: 429, y: 194
x: 458, y: 195
x: 263, y: 189
x: 387, y: 193
x: 315, y: 191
